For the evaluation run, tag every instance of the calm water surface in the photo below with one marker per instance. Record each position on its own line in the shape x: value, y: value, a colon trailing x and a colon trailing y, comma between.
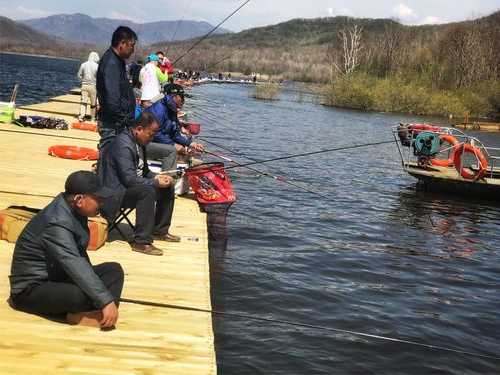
x: 376, y: 256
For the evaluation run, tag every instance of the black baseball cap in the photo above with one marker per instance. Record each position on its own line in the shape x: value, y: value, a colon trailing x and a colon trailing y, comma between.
x: 174, y: 89
x: 86, y: 182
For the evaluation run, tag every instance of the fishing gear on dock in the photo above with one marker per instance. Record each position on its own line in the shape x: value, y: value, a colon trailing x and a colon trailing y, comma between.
x: 311, y: 326
x: 210, y: 32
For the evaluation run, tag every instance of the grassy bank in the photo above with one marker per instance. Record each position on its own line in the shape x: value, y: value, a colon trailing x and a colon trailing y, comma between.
x: 267, y: 91
x: 365, y: 92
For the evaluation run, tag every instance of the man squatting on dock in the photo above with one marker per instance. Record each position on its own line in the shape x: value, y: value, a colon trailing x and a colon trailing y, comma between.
x: 51, y: 273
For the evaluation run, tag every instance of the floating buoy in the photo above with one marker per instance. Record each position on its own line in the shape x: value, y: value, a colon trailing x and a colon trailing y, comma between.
x: 453, y: 142
x: 466, y: 172
x: 74, y: 152
x: 90, y: 126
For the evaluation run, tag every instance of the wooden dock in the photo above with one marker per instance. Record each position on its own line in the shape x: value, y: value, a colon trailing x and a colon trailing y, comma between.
x: 148, y: 340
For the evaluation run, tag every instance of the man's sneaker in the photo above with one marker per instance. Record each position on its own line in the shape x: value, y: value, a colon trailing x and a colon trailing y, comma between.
x: 146, y: 249
x: 167, y: 237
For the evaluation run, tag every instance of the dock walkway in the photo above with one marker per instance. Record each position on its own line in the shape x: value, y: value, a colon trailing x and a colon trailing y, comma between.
x: 148, y: 340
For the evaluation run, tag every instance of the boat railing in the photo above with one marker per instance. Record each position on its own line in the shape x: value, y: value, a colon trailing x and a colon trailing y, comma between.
x: 405, y: 137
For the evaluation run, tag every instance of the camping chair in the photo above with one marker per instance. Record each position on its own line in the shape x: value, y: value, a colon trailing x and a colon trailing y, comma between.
x: 122, y: 215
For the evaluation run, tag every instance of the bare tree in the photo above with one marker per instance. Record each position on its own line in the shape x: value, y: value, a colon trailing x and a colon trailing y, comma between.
x: 348, y: 60
x: 391, y: 47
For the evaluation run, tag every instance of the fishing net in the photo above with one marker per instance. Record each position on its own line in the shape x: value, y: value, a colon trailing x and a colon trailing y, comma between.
x: 211, y: 184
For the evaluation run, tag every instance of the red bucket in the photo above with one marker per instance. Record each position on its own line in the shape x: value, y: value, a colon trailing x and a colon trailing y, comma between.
x: 211, y: 184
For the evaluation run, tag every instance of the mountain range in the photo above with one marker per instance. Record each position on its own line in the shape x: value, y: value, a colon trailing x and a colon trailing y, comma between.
x: 80, y: 28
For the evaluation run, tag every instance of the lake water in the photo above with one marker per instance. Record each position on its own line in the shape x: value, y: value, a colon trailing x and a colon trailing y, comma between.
x: 373, y: 256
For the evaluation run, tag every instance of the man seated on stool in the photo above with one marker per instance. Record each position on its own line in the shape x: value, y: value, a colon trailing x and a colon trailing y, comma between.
x: 125, y: 171
x: 51, y: 272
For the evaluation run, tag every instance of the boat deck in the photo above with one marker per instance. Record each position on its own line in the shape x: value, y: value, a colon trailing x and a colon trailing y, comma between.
x: 148, y: 340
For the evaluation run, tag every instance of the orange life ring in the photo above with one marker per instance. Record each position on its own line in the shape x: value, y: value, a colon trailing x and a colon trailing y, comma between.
x: 450, y: 161
x: 73, y: 152
x: 466, y: 173
x: 90, y: 126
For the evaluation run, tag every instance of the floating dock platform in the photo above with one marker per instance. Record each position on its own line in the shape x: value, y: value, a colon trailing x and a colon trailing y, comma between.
x: 147, y: 339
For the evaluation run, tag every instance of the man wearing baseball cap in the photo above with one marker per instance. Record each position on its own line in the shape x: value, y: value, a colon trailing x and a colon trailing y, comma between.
x: 169, y: 140
x: 51, y: 273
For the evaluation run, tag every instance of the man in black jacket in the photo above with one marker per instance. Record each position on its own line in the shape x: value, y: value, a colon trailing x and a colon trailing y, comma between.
x: 114, y: 91
x: 51, y: 273
x: 124, y: 170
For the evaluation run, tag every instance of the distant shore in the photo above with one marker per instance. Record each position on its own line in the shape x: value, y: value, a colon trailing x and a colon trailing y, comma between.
x: 37, y: 55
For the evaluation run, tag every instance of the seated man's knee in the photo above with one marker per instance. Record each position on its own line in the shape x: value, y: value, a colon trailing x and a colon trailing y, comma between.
x: 148, y: 192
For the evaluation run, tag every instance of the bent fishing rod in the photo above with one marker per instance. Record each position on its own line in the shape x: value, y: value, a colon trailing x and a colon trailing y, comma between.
x: 311, y: 326
x: 210, y: 32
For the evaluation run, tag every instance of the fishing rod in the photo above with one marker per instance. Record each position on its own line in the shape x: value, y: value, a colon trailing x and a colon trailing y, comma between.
x: 177, y: 27
x: 210, y: 32
x: 310, y: 326
x: 266, y: 174
x: 315, y: 153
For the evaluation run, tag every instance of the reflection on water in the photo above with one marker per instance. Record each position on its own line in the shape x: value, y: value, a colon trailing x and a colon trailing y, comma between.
x: 374, y: 256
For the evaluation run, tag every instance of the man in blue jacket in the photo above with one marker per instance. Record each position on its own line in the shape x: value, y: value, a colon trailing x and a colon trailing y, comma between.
x: 169, y: 140
x: 114, y: 91
x: 51, y: 272
x: 124, y: 169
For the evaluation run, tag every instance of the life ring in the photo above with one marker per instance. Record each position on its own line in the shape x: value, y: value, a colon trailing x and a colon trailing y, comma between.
x: 73, y: 152
x: 451, y: 140
x: 466, y: 173
x: 90, y: 126
x: 417, y: 128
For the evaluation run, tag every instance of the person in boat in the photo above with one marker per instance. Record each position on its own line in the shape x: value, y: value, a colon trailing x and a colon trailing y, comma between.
x: 169, y: 141
x: 114, y: 91
x: 87, y: 75
x: 125, y: 170
x: 51, y: 273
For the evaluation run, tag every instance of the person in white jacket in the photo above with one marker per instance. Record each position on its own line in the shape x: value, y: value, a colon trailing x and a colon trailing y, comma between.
x: 87, y: 74
x: 150, y: 82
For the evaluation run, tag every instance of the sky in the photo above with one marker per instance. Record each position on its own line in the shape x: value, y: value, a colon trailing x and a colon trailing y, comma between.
x: 256, y: 12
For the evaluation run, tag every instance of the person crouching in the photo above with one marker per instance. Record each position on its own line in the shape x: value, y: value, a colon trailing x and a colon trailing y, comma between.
x: 51, y: 273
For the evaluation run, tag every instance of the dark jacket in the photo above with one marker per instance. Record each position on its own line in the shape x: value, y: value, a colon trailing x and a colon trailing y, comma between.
x: 165, y: 111
x: 52, y: 247
x: 115, y: 93
x: 118, y: 171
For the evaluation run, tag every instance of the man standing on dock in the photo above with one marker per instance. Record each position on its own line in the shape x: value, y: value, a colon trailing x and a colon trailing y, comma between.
x: 87, y: 74
x: 51, y: 273
x: 114, y: 91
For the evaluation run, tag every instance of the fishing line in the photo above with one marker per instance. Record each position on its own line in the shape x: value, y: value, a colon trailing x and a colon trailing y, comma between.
x: 210, y: 32
x: 177, y: 26
x: 315, y: 153
x: 311, y: 326
x: 277, y: 178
